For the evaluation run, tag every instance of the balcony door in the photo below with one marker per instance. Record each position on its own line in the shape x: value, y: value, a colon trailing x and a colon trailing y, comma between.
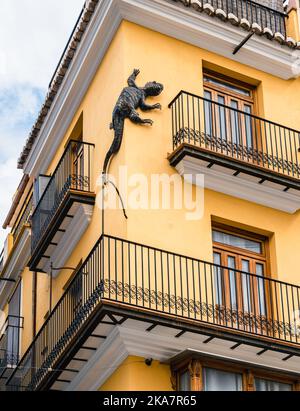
x: 13, y: 329
x: 227, y: 113
x: 77, y: 154
x: 240, y: 269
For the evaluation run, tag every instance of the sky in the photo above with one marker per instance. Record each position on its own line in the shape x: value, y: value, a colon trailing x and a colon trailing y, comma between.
x: 33, y: 35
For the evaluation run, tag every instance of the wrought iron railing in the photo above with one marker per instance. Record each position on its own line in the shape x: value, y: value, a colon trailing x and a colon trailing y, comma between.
x: 254, y: 12
x: 1, y: 260
x: 23, y: 218
x: 137, y: 275
x: 9, y: 342
x: 236, y: 134
x: 74, y: 172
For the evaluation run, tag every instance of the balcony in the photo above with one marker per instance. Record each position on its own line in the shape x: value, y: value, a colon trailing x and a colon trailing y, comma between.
x: 239, y: 154
x: 1, y: 260
x: 9, y: 347
x: 16, y: 252
x: 67, y: 196
x: 244, y: 13
x: 130, y: 281
x: 23, y: 218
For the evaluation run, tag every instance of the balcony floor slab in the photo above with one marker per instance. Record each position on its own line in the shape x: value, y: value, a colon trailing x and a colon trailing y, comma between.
x: 70, y: 221
x: 158, y: 336
x: 239, y: 183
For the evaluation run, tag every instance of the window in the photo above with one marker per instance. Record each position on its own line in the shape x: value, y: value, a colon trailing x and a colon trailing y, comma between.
x: 236, y: 241
x: 185, y: 381
x: 218, y: 380
x: 207, y: 374
x: 269, y: 385
x: 78, y: 166
x: 77, y: 156
x: 75, y: 286
x: 227, y: 110
x: 240, y: 267
x: 40, y: 185
x: 230, y: 88
x: 14, y: 326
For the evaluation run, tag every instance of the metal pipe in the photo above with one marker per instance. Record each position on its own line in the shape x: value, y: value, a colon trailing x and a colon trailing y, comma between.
x: 246, y: 39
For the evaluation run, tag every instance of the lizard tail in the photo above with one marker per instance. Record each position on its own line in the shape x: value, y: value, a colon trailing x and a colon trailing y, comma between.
x: 118, y: 126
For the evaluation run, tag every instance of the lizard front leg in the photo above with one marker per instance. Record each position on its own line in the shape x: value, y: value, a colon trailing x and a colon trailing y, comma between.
x: 147, y: 107
x: 131, y: 80
x: 135, y: 118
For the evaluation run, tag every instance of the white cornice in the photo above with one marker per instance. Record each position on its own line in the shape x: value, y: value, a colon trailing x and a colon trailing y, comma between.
x: 68, y: 242
x: 104, y: 363
x: 240, y: 187
x: 124, y: 341
x: 88, y: 57
x: 159, y: 15
x: 210, y: 33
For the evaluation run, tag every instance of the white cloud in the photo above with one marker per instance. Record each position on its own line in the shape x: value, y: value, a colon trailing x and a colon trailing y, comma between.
x: 33, y: 36
x: 18, y: 106
x: 9, y: 180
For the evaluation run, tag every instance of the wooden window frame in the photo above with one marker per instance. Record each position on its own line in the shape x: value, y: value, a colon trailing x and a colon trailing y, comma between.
x: 230, y: 81
x: 241, y: 129
x: 240, y: 254
x: 195, y: 366
x: 263, y: 240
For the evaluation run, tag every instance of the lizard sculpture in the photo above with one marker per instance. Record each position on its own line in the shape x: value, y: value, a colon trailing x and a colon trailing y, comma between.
x: 131, y: 98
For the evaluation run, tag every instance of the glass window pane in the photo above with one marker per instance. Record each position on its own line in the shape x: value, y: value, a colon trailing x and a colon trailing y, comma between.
x: 226, y: 85
x: 232, y: 282
x: 234, y: 126
x: 259, y: 269
x: 216, y: 380
x: 261, y: 289
x: 246, y: 284
x: 247, y: 109
x: 13, y: 332
x: 218, y: 280
x: 268, y: 385
x: 208, y: 113
x: 248, y: 126
x: 185, y: 381
x: 236, y: 241
x: 222, y: 117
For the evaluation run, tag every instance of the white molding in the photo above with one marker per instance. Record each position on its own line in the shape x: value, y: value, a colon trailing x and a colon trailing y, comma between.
x: 159, y: 15
x: 85, y: 63
x: 240, y: 187
x: 18, y: 261
x: 102, y: 365
x: 124, y: 341
x: 210, y: 33
x: 69, y: 240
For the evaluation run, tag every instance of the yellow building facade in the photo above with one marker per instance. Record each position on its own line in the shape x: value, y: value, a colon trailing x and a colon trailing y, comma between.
x: 194, y: 285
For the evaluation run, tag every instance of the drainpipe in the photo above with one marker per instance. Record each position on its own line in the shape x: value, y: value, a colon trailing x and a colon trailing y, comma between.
x: 34, y: 303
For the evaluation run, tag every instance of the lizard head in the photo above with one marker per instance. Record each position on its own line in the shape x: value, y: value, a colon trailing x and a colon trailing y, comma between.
x: 153, y: 88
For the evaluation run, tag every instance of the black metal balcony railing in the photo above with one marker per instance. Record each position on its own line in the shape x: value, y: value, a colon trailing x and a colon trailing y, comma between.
x: 214, y: 127
x: 9, y: 342
x: 23, y: 218
x: 156, y: 280
x: 266, y: 17
x: 1, y: 260
x: 73, y: 173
